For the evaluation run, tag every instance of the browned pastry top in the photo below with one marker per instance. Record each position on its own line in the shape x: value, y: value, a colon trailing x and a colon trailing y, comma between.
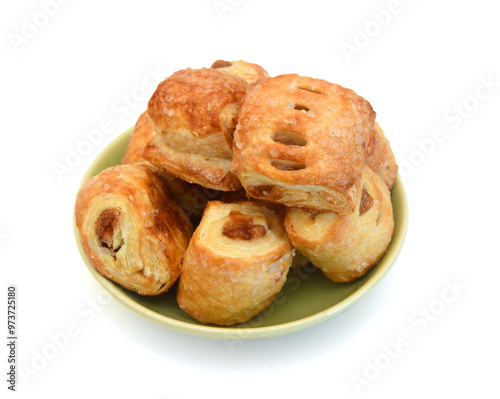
x: 194, y: 99
x: 302, y: 131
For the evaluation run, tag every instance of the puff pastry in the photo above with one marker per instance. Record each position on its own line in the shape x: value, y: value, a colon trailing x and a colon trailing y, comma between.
x: 132, y: 231
x: 236, y: 263
x: 252, y: 73
x: 299, y: 259
x: 143, y: 133
x: 194, y: 112
x: 346, y: 247
x: 191, y: 197
x: 380, y: 157
x: 302, y: 142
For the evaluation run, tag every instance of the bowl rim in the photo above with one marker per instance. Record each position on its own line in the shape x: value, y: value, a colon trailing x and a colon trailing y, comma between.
x: 244, y: 333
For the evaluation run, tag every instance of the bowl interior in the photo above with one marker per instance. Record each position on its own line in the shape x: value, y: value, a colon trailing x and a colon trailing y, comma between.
x: 307, y: 298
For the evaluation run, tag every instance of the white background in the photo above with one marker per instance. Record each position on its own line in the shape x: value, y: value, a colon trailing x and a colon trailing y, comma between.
x: 429, y: 59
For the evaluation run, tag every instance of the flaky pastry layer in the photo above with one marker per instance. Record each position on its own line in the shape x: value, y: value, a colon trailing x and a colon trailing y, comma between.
x: 236, y: 263
x: 302, y: 142
x: 345, y: 247
x: 131, y: 229
x: 299, y: 260
x: 381, y: 158
x: 191, y: 197
x: 195, y: 112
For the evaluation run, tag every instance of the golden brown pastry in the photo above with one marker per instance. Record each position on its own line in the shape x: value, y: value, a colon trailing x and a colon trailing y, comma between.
x: 236, y: 263
x: 191, y: 197
x: 143, y: 133
x: 381, y: 158
x: 252, y: 73
x: 302, y: 142
x: 240, y: 195
x: 346, y: 247
x: 132, y: 231
x: 195, y: 112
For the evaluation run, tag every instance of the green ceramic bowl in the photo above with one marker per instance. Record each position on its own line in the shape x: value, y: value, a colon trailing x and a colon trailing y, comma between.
x: 307, y: 298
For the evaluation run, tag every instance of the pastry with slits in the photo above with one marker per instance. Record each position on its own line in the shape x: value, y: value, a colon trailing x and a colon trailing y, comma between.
x: 346, y: 247
x: 303, y: 142
x: 252, y: 73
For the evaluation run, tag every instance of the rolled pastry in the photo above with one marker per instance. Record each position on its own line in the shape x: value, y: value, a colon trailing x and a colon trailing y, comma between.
x: 381, y: 158
x: 195, y: 112
x: 299, y: 259
x: 131, y: 229
x: 252, y: 73
x: 236, y: 263
x: 346, y: 247
x: 191, y: 197
x: 302, y: 142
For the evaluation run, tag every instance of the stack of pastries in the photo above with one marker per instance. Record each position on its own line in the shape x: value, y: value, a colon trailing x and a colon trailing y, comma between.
x: 230, y: 178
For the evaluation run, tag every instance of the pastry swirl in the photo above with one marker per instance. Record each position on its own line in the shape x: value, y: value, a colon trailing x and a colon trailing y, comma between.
x: 302, y: 142
x: 236, y: 263
x: 195, y: 112
x: 345, y: 247
x: 131, y: 229
x: 299, y: 259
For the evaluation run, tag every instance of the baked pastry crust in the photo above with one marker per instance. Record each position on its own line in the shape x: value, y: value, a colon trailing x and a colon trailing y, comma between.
x: 143, y: 133
x: 252, y: 73
x: 380, y: 157
x: 241, y: 195
x: 346, y: 247
x: 236, y: 263
x: 131, y: 229
x: 191, y: 197
x: 195, y: 112
x: 302, y: 142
